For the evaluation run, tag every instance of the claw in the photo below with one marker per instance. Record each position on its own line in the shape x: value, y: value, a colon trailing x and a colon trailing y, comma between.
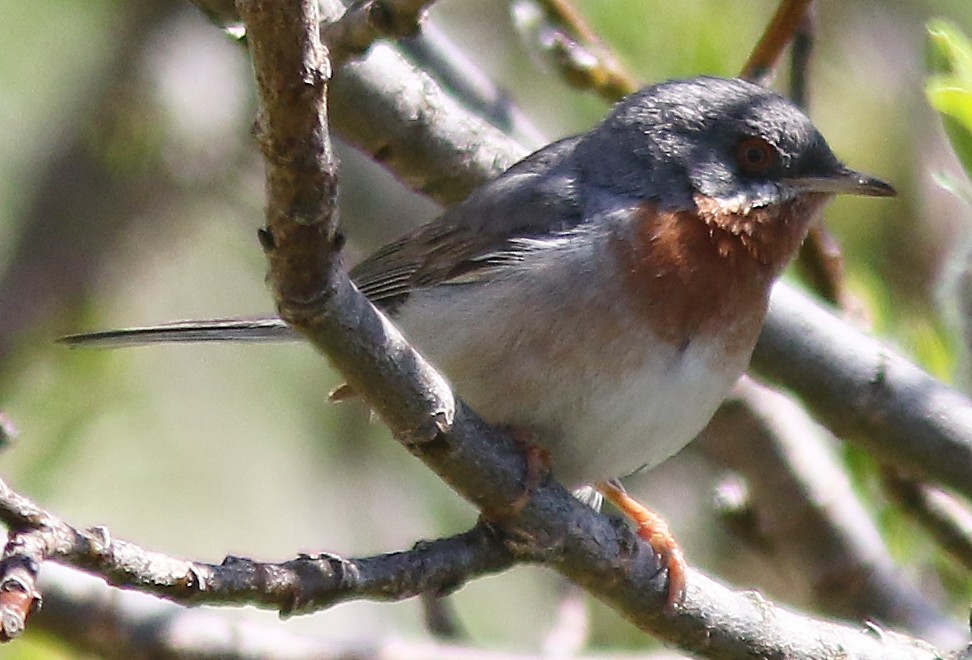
x: 653, y: 530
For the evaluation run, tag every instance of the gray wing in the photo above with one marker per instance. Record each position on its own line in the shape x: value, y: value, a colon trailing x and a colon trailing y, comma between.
x: 536, y: 198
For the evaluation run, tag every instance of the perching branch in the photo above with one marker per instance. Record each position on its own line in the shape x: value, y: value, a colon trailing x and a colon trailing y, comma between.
x: 112, y: 625
x: 570, y: 537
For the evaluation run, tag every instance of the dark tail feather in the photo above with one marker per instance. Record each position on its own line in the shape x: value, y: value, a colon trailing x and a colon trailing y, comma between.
x: 258, y: 329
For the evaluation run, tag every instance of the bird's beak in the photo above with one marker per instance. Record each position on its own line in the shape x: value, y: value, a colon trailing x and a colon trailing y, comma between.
x: 843, y: 182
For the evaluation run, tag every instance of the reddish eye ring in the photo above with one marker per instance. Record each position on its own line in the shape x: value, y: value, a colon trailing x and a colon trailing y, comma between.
x: 755, y: 155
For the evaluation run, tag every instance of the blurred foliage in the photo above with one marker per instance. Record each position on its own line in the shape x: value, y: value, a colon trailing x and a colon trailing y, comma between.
x: 949, y: 86
x: 205, y: 451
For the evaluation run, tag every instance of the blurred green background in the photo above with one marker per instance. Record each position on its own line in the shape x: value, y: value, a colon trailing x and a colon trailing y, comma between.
x: 130, y: 193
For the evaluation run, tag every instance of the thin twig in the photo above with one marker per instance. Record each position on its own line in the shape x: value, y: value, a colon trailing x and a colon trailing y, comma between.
x: 440, y: 57
x: 366, y: 22
x: 822, y: 268
x: 944, y: 517
x: 300, y: 585
x: 801, y: 53
x: 784, y: 24
x: 563, y: 37
x: 819, y: 260
x: 105, y: 623
x: 441, y: 618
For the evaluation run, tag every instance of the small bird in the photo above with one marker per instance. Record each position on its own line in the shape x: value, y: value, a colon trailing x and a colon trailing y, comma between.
x: 602, y: 296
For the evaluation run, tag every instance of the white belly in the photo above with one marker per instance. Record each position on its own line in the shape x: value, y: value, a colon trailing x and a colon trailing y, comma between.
x: 596, y: 389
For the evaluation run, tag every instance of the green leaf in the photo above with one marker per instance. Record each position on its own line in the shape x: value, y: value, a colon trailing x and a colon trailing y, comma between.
x: 949, y: 50
x: 949, y: 87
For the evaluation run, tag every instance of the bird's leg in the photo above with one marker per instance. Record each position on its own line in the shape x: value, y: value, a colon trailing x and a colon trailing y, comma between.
x: 654, y: 530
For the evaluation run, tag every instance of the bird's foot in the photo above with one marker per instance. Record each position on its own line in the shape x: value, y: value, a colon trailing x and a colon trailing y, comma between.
x: 653, y: 530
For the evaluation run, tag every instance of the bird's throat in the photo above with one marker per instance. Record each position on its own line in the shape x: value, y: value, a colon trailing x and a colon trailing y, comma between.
x: 769, y: 235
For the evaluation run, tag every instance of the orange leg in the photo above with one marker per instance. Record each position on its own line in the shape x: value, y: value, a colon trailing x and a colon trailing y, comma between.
x: 653, y: 530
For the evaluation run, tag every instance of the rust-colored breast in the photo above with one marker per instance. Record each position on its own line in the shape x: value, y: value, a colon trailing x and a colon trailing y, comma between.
x: 706, y: 273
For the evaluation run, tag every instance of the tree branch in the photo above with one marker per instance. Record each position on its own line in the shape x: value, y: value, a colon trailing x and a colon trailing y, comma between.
x: 300, y: 585
x: 365, y: 22
x: 863, y: 391
x: 600, y: 554
x: 108, y: 624
x: 558, y: 32
x: 438, y: 55
x: 808, y: 517
x: 947, y: 520
x: 784, y: 24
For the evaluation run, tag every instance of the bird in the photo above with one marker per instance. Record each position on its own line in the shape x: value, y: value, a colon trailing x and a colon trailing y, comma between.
x: 602, y: 296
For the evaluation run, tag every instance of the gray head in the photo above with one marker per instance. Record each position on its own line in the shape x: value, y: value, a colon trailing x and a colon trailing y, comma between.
x: 730, y: 140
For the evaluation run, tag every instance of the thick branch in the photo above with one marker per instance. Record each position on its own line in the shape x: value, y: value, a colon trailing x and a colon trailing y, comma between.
x: 292, y: 71
x: 864, y: 391
x: 808, y: 517
x: 439, y: 56
x: 390, y: 110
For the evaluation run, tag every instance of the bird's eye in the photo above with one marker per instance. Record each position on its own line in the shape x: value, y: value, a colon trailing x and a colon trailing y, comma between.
x: 755, y: 155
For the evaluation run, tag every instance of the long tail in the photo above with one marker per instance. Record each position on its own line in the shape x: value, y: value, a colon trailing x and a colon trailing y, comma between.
x: 255, y: 329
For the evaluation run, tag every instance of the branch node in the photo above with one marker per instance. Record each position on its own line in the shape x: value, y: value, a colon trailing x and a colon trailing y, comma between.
x: 99, y: 541
x: 19, y: 597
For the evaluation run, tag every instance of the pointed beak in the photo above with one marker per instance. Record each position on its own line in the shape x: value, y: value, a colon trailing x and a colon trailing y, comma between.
x: 843, y: 182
